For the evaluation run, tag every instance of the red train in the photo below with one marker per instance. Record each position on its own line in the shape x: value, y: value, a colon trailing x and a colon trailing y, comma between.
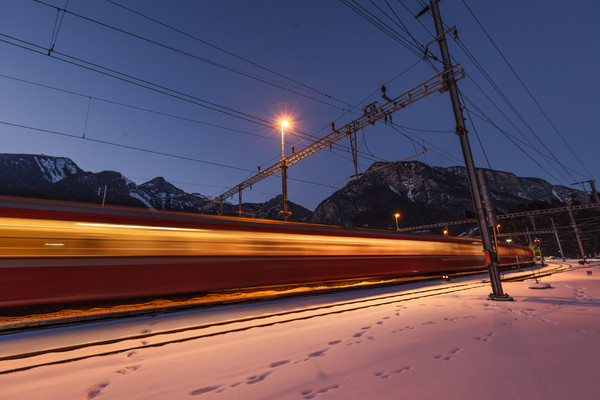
x: 54, y: 252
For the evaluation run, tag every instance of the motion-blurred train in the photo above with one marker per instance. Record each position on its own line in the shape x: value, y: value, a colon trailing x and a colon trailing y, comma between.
x: 55, y: 252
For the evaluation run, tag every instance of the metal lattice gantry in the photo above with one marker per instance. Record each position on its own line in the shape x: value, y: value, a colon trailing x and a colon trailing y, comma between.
x: 504, y: 216
x: 372, y: 114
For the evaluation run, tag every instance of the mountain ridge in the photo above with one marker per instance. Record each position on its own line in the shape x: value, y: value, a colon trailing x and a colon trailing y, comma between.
x: 421, y: 193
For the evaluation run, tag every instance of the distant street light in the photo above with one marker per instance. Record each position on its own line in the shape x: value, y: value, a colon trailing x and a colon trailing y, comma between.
x: 445, y: 232
x: 397, y: 215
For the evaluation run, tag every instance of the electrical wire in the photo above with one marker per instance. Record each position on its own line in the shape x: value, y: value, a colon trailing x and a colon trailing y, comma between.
x: 140, y: 149
x: 264, y: 80
x: 478, y: 66
x: 221, y: 49
x: 526, y: 88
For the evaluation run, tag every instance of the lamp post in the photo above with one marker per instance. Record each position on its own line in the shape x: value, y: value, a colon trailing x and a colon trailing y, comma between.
x: 397, y: 215
x: 284, y: 124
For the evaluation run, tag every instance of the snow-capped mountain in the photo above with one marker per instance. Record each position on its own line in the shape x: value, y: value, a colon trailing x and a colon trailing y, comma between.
x: 425, y: 194
x: 21, y: 171
x: 60, y: 178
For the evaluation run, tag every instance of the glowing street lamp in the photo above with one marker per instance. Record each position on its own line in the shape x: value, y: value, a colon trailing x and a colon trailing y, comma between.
x: 397, y: 215
x: 284, y: 124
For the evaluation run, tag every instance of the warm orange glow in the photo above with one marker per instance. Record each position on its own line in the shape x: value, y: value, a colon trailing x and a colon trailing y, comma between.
x: 30, y: 238
x: 397, y: 215
x: 285, y: 123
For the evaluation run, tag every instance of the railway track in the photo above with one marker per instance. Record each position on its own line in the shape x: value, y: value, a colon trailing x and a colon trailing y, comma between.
x: 63, y: 315
x: 38, y: 353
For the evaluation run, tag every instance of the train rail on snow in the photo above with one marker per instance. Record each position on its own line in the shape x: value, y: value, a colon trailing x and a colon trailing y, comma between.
x: 44, y: 356
x: 55, y: 252
x: 87, y: 349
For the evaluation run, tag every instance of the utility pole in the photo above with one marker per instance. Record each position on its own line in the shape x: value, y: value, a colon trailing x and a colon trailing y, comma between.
x: 240, y: 201
x: 284, y: 168
x: 576, y: 229
x: 490, y: 255
x: 593, y: 189
x: 557, y: 239
x: 594, y: 193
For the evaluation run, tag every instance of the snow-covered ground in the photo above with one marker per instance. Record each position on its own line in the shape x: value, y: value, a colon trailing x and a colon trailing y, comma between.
x: 458, y: 345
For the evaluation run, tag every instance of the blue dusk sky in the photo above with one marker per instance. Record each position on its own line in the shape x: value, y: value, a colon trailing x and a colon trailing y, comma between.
x: 194, y: 90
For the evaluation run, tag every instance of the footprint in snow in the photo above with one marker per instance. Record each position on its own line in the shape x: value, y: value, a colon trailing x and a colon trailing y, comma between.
x: 94, y: 391
x: 485, y: 338
x: 279, y: 363
x: 319, y: 353
x: 448, y: 356
x: 255, y: 379
x: 204, y: 390
x: 385, y: 375
x: 128, y: 370
x: 311, y: 393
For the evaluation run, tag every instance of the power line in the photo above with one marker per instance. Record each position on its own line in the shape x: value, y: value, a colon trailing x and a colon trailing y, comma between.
x: 526, y: 88
x: 160, y: 153
x: 220, y: 49
x: 378, y: 23
x: 135, y: 107
x: 511, y: 138
x: 188, y: 54
x: 137, y: 81
x: 512, y: 107
x: 140, y: 82
x: 463, y: 47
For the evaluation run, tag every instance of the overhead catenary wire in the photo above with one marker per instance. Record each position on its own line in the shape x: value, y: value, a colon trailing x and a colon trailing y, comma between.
x: 515, y: 111
x: 113, y: 72
x: 526, y: 88
x: 378, y: 23
x: 512, y: 107
x: 140, y: 149
x: 191, y: 55
x: 57, y: 24
x: 222, y: 50
x: 150, y: 85
x: 462, y: 46
x: 145, y: 84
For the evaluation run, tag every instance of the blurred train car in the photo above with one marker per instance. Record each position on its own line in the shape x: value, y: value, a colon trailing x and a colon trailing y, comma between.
x: 55, y: 252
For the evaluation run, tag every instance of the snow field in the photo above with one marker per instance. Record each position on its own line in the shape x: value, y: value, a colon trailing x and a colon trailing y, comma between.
x: 544, y: 345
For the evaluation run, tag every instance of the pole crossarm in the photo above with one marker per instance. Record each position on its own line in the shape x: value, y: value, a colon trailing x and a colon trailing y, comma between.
x: 503, y: 216
x: 372, y: 114
x: 538, y: 232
